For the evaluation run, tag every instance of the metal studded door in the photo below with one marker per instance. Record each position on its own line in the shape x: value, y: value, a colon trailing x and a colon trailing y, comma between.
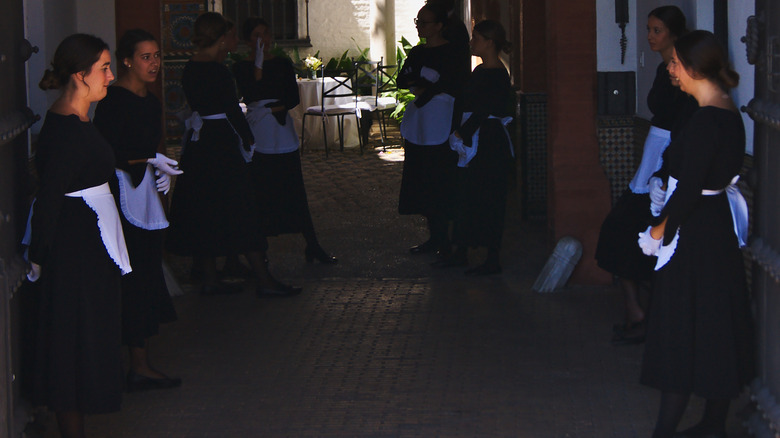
x: 15, y: 118
x: 763, y: 47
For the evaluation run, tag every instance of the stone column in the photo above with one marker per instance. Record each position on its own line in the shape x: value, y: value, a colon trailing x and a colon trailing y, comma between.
x: 578, y: 192
x: 383, y: 31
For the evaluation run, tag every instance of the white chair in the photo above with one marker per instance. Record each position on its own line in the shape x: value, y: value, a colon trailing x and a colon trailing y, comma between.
x: 382, y: 97
x: 338, y: 98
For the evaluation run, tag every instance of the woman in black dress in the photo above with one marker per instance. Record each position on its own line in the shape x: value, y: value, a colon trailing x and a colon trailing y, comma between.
x: 77, y: 244
x: 213, y: 212
x: 485, y: 161
x: 616, y: 251
x: 435, y: 75
x: 699, y: 333
x: 267, y: 84
x: 130, y: 118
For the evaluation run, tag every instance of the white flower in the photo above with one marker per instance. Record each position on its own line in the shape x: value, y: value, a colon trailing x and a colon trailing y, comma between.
x: 312, y: 63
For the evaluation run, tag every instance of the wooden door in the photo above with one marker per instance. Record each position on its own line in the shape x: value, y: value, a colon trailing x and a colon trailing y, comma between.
x: 15, y: 119
x: 763, y: 46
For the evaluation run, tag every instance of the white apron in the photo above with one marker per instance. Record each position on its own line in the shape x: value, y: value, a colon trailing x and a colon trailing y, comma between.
x: 431, y: 124
x: 141, y: 205
x: 652, y: 157
x: 101, y: 201
x: 270, y: 136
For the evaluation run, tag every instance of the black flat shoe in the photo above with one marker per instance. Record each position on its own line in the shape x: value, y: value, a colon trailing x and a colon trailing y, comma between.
x: 483, y: 270
x: 222, y: 289
x: 278, y: 290
x: 319, y: 254
x: 424, y: 248
x: 137, y: 382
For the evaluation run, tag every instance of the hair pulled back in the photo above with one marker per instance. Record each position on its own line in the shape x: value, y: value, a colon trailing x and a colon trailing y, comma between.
x: 701, y: 53
x: 126, y: 46
x: 209, y: 27
x: 249, y: 26
x: 439, y: 13
x: 673, y: 18
x: 493, y: 30
x: 76, y: 53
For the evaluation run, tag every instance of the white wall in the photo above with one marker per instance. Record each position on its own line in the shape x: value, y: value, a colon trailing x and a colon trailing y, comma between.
x: 647, y: 60
x: 334, y: 24
x: 738, y: 13
x: 47, y: 23
x: 608, y: 37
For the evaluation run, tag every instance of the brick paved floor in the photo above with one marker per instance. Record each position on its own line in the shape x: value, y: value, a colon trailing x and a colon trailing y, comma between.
x: 382, y: 345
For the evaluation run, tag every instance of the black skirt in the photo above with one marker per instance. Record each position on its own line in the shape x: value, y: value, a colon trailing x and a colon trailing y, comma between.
x: 213, y: 212
x: 282, y: 204
x: 700, y: 330
x: 78, y: 361
x: 146, y: 302
x: 482, y: 191
x: 617, y: 251
x: 428, y: 181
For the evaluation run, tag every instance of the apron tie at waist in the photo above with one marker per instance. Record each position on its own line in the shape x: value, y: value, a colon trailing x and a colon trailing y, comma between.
x: 739, y: 216
x: 739, y: 211
x: 101, y: 201
x: 466, y: 153
x: 195, y: 122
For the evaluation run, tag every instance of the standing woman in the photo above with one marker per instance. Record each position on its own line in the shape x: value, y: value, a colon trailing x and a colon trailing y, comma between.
x: 267, y: 84
x: 213, y: 212
x: 432, y: 72
x: 485, y: 151
x: 130, y: 118
x: 77, y: 244
x: 699, y: 333
x: 617, y: 252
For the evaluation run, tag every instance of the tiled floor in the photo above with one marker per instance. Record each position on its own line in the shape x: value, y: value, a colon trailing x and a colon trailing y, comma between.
x: 382, y: 345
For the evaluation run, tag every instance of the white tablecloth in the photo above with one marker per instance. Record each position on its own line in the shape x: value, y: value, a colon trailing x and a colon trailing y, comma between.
x: 310, y: 91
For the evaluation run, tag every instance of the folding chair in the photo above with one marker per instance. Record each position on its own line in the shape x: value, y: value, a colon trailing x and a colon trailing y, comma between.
x: 382, y: 97
x: 338, y: 98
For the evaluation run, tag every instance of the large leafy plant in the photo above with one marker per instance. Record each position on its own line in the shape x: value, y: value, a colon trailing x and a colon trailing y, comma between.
x: 403, y: 96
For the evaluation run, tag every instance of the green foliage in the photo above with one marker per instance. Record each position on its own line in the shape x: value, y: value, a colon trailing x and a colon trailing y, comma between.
x: 403, y: 96
x: 343, y: 63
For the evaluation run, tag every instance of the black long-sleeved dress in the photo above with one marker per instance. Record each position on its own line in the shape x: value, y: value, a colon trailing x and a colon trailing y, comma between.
x: 212, y: 210
x: 429, y: 170
x: 482, y: 186
x: 617, y: 251
x: 699, y: 333
x: 132, y: 125
x: 78, y: 362
x: 283, y: 206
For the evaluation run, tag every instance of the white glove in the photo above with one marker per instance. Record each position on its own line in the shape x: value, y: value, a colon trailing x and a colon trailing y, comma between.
x: 163, y: 182
x: 430, y: 74
x: 657, y: 196
x: 34, y: 273
x: 259, y: 55
x: 649, y: 245
x: 165, y: 164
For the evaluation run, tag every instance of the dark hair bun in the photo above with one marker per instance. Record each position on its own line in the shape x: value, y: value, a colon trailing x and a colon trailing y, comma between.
x: 49, y: 81
x: 76, y: 53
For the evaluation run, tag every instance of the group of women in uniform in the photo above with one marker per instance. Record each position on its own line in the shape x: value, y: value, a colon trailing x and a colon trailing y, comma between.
x: 699, y: 333
x: 690, y: 220
x: 457, y: 151
x: 97, y: 222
